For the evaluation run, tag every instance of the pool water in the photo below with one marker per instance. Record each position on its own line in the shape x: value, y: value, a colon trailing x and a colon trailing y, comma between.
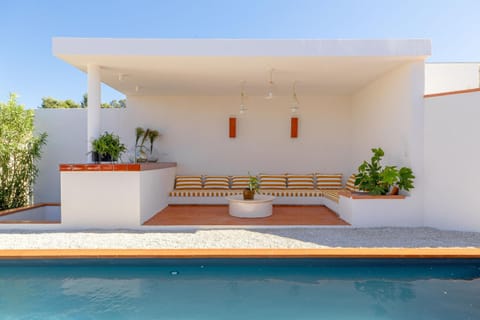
x: 240, y: 289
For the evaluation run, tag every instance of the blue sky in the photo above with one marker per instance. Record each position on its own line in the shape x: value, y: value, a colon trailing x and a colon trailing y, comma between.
x: 28, y: 68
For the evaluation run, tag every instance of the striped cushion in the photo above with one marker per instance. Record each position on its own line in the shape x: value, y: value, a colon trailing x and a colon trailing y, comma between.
x: 329, y: 181
x: 273, y: 181
x: 300, y: 181
x: 331, y: 195
x: 217, y: 182
x: 240, y: 182
x: 351, y: 184
x: 188, y: 182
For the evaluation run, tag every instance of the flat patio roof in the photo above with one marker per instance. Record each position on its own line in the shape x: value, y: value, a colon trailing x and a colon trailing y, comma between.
x: 217, y: 66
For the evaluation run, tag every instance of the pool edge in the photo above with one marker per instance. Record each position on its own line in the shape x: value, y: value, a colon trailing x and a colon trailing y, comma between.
x: 241, y: 253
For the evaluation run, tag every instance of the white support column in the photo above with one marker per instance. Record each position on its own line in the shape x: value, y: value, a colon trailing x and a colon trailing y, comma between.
x: 93, y: 105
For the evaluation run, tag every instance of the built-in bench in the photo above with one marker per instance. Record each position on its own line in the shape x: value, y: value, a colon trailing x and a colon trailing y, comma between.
x: 310, y: 189
x: 360, y: 210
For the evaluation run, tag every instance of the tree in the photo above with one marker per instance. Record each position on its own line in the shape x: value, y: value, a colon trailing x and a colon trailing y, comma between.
x: 84, y: 102
x: 51, y: 103
x: 19, y: 152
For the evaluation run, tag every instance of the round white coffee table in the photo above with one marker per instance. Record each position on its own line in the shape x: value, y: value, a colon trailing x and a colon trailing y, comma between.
x: 259, y: 207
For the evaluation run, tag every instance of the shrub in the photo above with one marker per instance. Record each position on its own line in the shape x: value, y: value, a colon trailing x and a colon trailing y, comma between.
x: 19, y: 152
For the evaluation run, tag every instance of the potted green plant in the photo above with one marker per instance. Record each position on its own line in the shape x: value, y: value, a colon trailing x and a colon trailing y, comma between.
x: 107, y: 147
x: 253, y: 186
x: 375, y: 179
x: 141, y: 136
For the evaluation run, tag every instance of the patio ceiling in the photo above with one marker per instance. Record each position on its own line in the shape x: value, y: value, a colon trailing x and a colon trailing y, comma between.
x: 217, y: 67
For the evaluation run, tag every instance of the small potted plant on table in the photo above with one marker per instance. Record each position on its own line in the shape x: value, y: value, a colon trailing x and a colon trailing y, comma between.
x: 253, y: 186
x: 107, y: 147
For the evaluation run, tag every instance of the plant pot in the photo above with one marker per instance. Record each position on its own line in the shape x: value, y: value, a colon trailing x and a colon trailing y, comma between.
x: 105, y: 158
x: 95, y: 157
x: 248, y: 194
x: 393, y: 191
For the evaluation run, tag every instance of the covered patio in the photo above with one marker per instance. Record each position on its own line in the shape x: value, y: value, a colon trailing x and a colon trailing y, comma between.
x: 331, y: 101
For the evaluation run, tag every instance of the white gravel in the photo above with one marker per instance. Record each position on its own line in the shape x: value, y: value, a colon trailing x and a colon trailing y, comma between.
x: 239, y: 238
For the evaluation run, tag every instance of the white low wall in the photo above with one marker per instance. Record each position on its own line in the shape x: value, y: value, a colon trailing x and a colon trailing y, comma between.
x: 112, y: 200
x: 380, y: 212
x: 155, y: 186
x: 452, y: 157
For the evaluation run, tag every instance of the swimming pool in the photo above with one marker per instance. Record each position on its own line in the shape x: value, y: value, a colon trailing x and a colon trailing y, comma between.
x: 240, y: 289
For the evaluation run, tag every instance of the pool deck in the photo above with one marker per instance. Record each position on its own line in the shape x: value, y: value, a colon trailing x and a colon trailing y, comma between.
x: 320, y: 242
x: 242, y: 253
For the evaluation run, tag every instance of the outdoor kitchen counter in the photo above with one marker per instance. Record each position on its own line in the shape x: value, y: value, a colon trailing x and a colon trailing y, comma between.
x: 111, y: 195
x: 117, y: 166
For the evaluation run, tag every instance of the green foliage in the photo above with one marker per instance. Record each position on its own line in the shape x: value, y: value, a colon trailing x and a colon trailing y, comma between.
x: 52, y: 103
x: 139, y: 132
x: 142, y: 135
x: 84, y: 102
x: 253, y: 184
x: 406, y: 177
x: 378, y: 180
x: 152, y: 136
x: 19, y: 152
x: 108, y: 145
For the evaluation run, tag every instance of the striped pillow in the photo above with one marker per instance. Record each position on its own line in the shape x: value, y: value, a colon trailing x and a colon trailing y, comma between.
x: 217, y: 182
x: 351, y: 184
x: 188, y: 182
x: 273, y: 181
x: 240, y: 182
x: 300, y: 181
x: 329, y: 181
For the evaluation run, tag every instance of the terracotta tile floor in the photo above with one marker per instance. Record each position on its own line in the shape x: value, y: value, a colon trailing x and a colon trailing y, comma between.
x: 181, y: 215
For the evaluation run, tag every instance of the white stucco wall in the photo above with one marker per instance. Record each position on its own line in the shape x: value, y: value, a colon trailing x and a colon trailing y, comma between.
x: 444, y: 77
x: 66, y: 143
x: 452, y: 155
x: 388, y: 113
x: 195, y: 135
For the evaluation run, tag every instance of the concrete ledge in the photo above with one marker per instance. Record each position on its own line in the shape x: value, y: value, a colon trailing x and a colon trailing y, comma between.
x: 34, y: 206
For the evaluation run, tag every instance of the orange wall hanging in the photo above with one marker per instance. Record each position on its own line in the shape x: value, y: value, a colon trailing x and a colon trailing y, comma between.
x: 294, y: 127
x: 232, y: 127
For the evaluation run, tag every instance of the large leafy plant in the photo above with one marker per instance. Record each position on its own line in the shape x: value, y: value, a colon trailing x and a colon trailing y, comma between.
x: 375, y: 179
x: 20, y: 150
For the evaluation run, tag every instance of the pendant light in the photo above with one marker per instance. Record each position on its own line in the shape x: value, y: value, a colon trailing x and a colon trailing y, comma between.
x: 269, y: 95
x: 243, y: 108
x: 295, y: 107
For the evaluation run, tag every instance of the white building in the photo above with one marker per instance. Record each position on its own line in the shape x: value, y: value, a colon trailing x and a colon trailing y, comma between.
x: 353, y: 95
